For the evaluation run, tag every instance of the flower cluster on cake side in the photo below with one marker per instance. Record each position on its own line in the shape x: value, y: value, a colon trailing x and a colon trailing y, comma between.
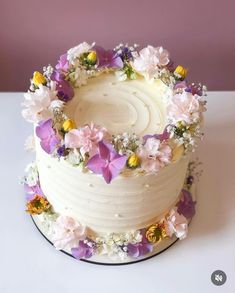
x: 70, y: 235
x: 91, y: 147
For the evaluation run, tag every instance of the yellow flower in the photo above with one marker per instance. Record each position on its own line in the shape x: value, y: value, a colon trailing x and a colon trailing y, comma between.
x: 38, y: 78
x: 38, y: 205
x: 177, y: 153
x: 68, y: 125
x: 92, y: 57
x: 181, y: 71
x: 155, y: 233
x: 133, y: 161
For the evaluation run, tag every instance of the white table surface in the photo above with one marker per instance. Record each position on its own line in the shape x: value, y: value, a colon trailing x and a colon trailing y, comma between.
x: 28, y: 263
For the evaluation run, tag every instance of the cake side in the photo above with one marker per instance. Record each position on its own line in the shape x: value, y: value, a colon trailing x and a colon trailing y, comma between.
x: 129, y: 203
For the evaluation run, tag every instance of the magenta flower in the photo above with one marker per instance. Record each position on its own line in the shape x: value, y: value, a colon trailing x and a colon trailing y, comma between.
x: 107, y: 162
x: 63, y: 63
x: 108, y: 58
x: 163, y: 136
x: 186, y: 205
x: 65, y: 90
x: 138, y: 249
x: 47, y: 135
x: 85, y: 249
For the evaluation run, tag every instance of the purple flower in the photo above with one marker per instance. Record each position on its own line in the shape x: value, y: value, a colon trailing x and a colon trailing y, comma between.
x: 180, y: 85
x: 47, y: 135
x: 164, y: 136
x: 61, y: 151
x: 85, y: 249
x: 194, y: 90
x: 65, y: 90
x: 107, y: 162
x: 31, y: 191
x: 138, y: 249
x: 63, y: 63
x: 108, y: 58
x: 186, y: 206
x: 126, y: 54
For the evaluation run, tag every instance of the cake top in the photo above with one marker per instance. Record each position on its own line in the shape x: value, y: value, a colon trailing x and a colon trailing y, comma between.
x: 126, y: 110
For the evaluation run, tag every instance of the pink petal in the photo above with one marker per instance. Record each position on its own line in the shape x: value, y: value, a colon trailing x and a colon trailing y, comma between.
x: 119, y: 162
x: 104, y: 150
x: 95, y: 164
x: 107, y: 174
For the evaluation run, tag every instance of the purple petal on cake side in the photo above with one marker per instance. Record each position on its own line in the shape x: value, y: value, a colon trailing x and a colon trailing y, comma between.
x: 186, y: 205
x: 47, y: 135
x: 84, y: 250
x: 139, y: 249
x: 65, y: 90
x: 107, y: 162
x: 31, y: 191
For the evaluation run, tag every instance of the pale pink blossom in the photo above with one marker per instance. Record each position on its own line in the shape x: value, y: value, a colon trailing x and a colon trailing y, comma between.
x: 149, y: 60
x: 67, y: 233
x: 176, y: 224
x: 37, y: 103
x: 85, y: 138
x: 184, y: 106
x: 154, y: 155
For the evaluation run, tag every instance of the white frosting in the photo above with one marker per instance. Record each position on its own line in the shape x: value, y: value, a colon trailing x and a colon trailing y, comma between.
x: 128, y: 106
x: 128, y: 203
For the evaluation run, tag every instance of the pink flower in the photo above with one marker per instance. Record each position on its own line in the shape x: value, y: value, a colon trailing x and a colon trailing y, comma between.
x: 148, y: 61
x: 37, y: 103
x: 154, y: 155
x: 85, y: 138
x: 184, y: 106
x: 67, y: 233
x: 176, y: 224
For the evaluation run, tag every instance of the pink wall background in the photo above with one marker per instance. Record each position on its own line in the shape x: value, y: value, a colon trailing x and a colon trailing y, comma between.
x: 199, y: 34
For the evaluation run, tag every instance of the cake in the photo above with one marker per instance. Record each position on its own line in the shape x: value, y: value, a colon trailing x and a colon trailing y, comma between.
x: 114, y: 132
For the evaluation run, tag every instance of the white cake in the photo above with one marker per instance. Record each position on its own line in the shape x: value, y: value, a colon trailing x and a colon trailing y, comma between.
x: 120, y: 109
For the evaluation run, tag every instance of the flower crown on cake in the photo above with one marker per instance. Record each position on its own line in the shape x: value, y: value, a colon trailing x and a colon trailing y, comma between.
x: 91, y: 147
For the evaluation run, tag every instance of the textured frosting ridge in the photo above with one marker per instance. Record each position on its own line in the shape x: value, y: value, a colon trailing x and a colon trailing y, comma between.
x: 128, y: 203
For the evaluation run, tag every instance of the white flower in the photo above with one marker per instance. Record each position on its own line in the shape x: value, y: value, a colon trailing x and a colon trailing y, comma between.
x: 78, y: 77
x: 184, y: 107
x: 38, y: 102
x: 67, y: 233
x: 74, y: 157
x: 121, y: 75
x: 148, y: 61
x: 32, y: 174
x: 76, y: 52
x: 56, y: 104
x: 176, y: 224
x: 29, y: 143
